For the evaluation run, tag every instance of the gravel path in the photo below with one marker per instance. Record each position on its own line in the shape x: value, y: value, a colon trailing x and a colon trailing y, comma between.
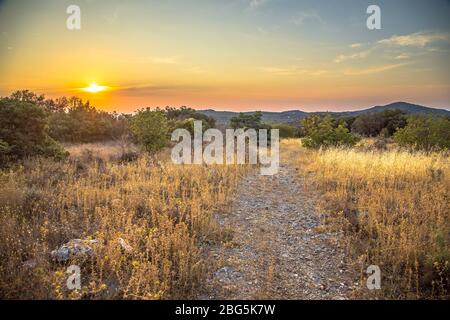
x: 278, y: 250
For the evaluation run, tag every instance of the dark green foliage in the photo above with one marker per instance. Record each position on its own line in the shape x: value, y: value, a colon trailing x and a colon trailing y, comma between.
x: 372, y: 124
x: 326, y: 132
x: 72, y: 120
x: 246, y: 121
x: 80, y: 122
x: 184, y: 118
x: 425, y: 132
x: 286, y: 131
x: 346, y: 121
x: 150, y: 129
x: 24, y: 131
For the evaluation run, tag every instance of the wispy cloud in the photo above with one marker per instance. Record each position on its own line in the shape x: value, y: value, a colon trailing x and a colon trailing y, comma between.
x: 392, y: 45
x: 376, y: 69
x: 356, y: 45
x: 418, y: 39
x: 256, y: 3
x: 291, y: 71
x: 284, y: 71
x: 156, y: 90
x: 402, y: 56
x: 308, y: 15
x: 357, y: 55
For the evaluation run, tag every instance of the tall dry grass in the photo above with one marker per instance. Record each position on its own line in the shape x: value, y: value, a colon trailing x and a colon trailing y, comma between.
x: 395, y: 210
x: 161, y: 210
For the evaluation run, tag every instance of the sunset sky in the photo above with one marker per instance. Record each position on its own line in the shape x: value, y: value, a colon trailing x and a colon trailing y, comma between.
x: 229, y: 54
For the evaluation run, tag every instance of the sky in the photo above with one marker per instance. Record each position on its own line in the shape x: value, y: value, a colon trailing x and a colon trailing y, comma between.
x: 238, y: 55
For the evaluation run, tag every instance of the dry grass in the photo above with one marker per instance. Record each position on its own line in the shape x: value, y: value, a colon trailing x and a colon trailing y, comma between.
x: 395, y: 210
x: 163, y: 211
x: 105, y: 151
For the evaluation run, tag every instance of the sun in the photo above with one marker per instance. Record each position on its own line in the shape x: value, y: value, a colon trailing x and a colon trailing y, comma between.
x: 94, y: 88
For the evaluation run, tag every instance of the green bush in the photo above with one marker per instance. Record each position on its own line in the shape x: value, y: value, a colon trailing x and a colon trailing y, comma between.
x: 248, y: 121
x: 73, y: 120
x: 150, y: 129
x: 81, y: 122
x: 286, y: 131
x: 381, y: 123
x: 322, y: 132
x: 425, y: 132
x: 183, y: 118
x: 24, y: 131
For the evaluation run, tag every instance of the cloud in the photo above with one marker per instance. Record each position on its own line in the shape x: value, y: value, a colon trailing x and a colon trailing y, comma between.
x: 155, y: 90
x: 418, y: 39
x: 372, y: 70
x: 392, y: 44
x: 291, y: 71
x: 308, y: 15
x: 402, y: 56
x: 256, y: 3
x: 358, y: 55
x: 283, y: 71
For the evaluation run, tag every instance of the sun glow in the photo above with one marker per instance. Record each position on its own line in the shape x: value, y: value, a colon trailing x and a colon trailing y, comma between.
x: 94, y: 88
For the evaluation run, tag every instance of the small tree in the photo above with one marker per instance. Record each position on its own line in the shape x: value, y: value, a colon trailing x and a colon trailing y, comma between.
x: 321, y: 132
x: 151, y: 129
x: 24, y: 131
x: 247, y: 121
x: 425, y: 132
x: 286, y: 131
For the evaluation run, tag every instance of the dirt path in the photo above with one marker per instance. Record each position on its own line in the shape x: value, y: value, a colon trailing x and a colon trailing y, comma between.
x: 277, y: 250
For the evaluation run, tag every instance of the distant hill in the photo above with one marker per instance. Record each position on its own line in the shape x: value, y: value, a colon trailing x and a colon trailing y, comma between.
x: 293, y: 116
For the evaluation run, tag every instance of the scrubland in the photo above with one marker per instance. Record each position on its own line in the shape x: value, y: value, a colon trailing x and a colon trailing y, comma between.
x: 162, y: 212
x: 393, y: 206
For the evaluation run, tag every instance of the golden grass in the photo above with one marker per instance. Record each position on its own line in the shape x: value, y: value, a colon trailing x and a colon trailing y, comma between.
x: 163, y: 211
x: 395, y: 210
x: 107, y: 151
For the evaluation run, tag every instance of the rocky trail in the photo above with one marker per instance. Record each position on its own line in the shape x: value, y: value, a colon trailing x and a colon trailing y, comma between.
x: 278, y: 250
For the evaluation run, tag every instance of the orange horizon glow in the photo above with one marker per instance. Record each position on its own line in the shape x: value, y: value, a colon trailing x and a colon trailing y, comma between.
x: 234, y: 55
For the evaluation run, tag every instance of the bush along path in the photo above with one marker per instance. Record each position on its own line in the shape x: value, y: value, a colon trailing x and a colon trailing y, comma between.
x: 278, y: 249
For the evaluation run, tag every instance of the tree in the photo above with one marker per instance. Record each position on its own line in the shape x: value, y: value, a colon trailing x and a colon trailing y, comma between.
x: 286, y: 131
x: 247, y: 121
x: 24, y: 131
x: 371, y: 124
x: 322, y: 132
x: 425, y: 132
x: 184, y: 117
x: 150, y: 129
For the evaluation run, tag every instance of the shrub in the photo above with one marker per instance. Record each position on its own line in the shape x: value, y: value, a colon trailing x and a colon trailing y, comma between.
x: 321, y: 132
x: 425, y: 132
x: 246, y: 121
x: 24, y: 131
x: 81, y: 122
x: 151, y: 130
x: 286, y: 131
x: 373, y: 124
x: 73, y: 120
x: 184, y: 118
